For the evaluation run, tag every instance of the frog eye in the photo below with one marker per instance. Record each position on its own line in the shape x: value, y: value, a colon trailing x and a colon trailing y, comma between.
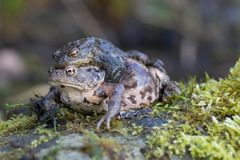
x: 73, y: 54
x: 70, y: 71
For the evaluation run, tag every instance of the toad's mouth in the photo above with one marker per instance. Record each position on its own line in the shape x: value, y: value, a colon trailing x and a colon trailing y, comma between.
x: 66, y: 85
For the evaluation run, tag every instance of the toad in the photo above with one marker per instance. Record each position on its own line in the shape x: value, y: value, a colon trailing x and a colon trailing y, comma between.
x: 104, y: 79
x: 84, y: 88
x: 101, y: 53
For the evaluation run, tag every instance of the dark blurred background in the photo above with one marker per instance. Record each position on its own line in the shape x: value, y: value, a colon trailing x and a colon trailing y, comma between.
x: 191, y: 37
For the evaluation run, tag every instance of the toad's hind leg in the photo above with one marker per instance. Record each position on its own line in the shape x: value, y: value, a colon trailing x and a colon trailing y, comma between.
x: 139, y: 56
x: 144, y: 59
x: 167, y: 88
x: 158, y: 64
x: 114, y: 106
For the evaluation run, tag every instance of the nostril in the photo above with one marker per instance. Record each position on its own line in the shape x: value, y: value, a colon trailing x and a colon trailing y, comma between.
x: 55, y: 73
x: 50, y: 70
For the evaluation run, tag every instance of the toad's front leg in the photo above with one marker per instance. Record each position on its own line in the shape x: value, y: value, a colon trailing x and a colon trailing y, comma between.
x: 114, y: 103
x: 46, y: 107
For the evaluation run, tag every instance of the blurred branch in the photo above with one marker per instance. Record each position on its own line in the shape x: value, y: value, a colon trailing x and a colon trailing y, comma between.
x: 83, y: 17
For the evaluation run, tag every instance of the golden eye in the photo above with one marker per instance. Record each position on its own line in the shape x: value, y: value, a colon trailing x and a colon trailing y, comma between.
x: 70, y: 71
x: 73, y: 54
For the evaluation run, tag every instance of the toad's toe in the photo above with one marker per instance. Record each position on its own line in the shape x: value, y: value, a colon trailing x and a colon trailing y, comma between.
x: 169, y: 90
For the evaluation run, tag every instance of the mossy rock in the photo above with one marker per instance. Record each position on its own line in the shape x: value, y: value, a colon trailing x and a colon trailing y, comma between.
x: 202, y: 122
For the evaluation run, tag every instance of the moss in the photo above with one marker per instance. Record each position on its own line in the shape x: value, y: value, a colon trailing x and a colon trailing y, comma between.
x: 12, y: 106
x: 17, y: 124
x: 204, y: 121
x: 136, y: 130
x: 234, y: 71
x: 45, y: 135
x: 77, y: 122
x: 221, y: 142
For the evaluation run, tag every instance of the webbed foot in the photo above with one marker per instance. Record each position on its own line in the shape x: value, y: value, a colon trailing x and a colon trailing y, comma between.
x: 104, y: 118
x: 113, y: 65
x: 139, y: 56
x: 143, y: 58
x: 45, y: 111
x: 159, y: 65
x: 170, y: 89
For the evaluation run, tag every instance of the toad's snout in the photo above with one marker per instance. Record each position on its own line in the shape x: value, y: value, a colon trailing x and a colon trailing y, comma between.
x: 55, y: 75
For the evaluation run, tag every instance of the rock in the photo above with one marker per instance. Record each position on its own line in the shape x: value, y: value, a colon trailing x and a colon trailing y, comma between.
x: 150, y: 122
x: 17, y: 140
x: 71, y: 155
x: 134, y: 145
x: 70, y: 147
x: 71, y: 141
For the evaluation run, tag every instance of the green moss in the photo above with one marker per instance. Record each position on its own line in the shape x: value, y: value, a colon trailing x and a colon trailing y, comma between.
x: 235, y: 71
x: 17, y: 124
x: 204, y: 121
x: 46, y: 135
x: 78, y: 122
x: 221, y: 141
x: 12, y: 106
x: 136, y: 130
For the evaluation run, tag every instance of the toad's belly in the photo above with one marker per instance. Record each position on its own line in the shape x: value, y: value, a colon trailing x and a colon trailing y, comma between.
x: 86, y: 107
x: 84, y: 101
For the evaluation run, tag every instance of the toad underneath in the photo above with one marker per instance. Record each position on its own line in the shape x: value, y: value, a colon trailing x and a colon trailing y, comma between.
x: 105, y: 82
